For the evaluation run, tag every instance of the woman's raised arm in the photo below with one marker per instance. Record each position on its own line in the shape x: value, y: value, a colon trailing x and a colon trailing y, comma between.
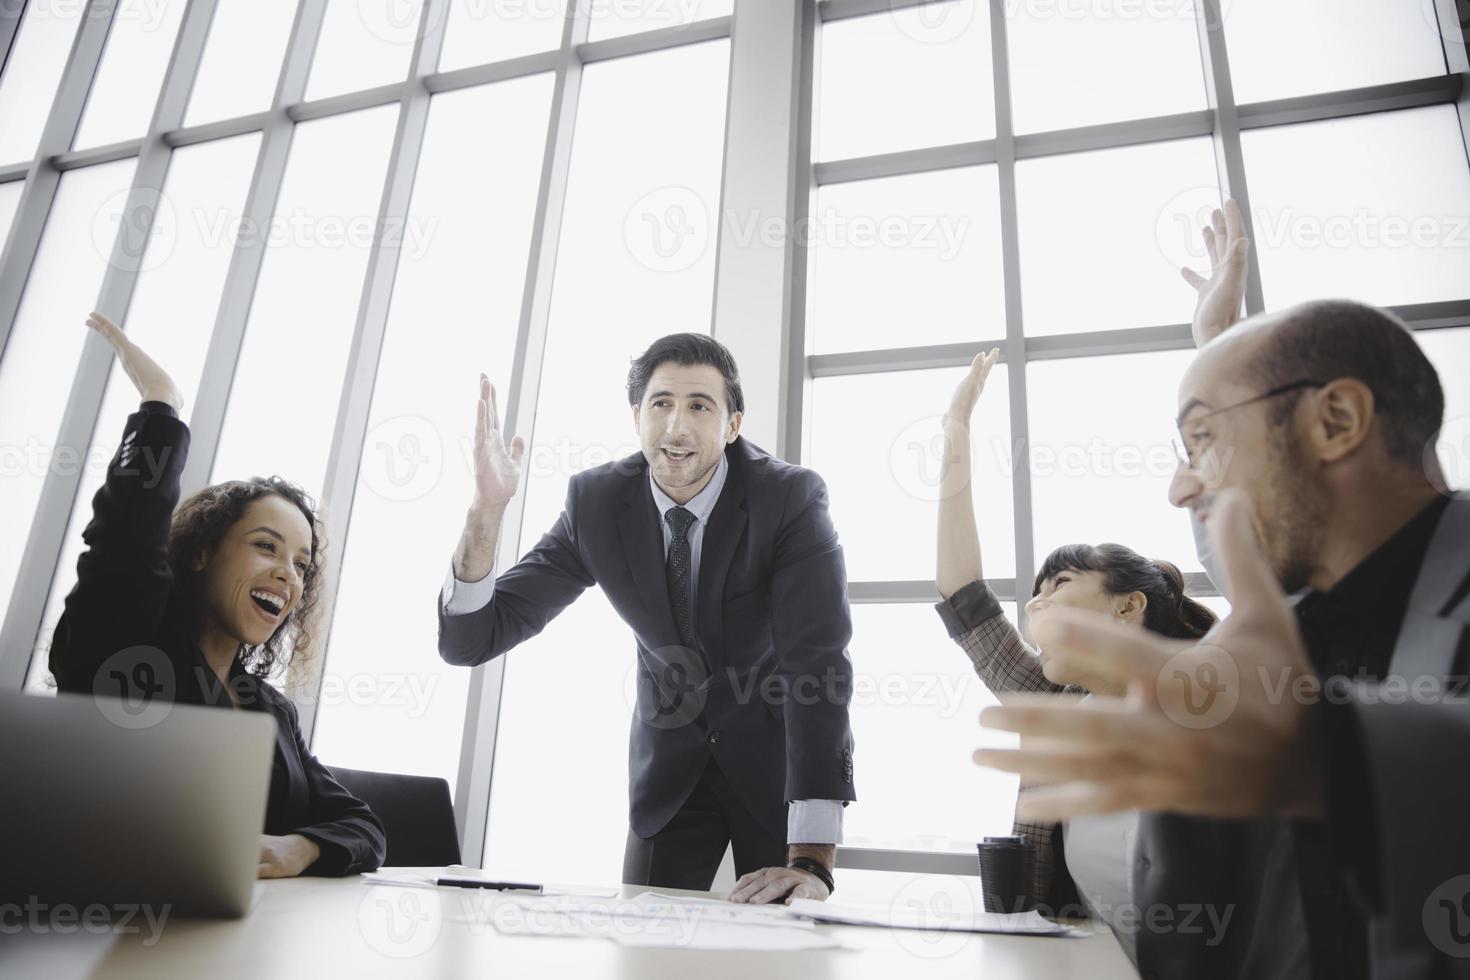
x: 959, y: 540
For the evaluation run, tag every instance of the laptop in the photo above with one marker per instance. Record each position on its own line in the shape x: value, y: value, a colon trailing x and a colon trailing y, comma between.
x: 102, y: 804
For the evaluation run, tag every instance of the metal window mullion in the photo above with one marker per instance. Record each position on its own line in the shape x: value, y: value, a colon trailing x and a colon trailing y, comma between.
x: 228, y: 335
x: 10, y: 17
x: 355, y: 404
x: 791, y: 439
x: 830, y: 10
x: 1388, y: 97
x: 1014, y: 350
x: 482, y: 711
x: 1454, y: 30
x: 42, y: 178
x: 1229, y: 158
x: 645, y: 42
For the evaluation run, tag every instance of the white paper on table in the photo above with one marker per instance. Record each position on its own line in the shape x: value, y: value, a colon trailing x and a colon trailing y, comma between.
x: 1031, y: 923
x: 720, y: 910
x: 649, y: 921
x: 730, y: 935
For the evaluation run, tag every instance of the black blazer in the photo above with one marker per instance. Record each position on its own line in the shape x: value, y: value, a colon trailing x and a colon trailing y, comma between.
x: 125, y: 598
x: 767, y: 689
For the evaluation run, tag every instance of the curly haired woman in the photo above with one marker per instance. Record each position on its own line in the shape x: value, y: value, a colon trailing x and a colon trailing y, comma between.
x: 223, y: 587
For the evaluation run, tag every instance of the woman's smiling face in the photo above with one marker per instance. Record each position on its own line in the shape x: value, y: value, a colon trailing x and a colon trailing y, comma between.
x: 1072, y: 589
x: 254, y: 577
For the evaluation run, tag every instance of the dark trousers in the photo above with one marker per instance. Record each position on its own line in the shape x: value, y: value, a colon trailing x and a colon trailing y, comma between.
x: 688, y: 851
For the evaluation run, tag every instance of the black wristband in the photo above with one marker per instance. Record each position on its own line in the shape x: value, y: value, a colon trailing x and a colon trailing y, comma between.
x: 814, y: 868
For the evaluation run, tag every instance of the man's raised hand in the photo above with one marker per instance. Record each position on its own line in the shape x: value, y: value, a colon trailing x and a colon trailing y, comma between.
x: 1220, y: 727
x: 497, y: 471
x: 152, y: 381
x: 1222, y: 294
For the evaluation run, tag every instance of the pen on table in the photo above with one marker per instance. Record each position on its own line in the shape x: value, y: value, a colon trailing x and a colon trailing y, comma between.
x: 482, y: 883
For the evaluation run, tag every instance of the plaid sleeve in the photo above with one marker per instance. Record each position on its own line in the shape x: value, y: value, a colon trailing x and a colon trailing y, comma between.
x: 1045, y: 867
x: 1000, y: 656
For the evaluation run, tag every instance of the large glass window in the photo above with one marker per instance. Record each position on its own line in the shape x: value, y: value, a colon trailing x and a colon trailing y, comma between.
x: 32, y: 72
x: 1373, y: 207
x: 288, y: 380
x: 46, y: 340
x: 1102, y: 454
x: 1278, y: 50
x: 125, y: 91
x: 906, y: 261
x: 242, y: 59
x: 912, y: 77
x: 1449, y: 352
x: 878, y: 441
x: 1080, y: 64
x: 478, y: 32
x: 1103, y: 234
x: 388, y: 700
x: 916, y: 697
x: 636, y: 261
x: 363, y: 45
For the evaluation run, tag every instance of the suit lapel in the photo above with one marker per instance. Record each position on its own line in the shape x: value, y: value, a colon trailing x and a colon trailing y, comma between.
x: 722, y: 536
x: 1438, y: 615
x: 643, y: 547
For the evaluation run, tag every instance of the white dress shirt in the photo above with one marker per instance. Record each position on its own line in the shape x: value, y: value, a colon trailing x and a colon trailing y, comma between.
x: 807, y: 821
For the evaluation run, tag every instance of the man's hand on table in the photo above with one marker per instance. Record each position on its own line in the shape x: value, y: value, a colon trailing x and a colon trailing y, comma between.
x: 787, y: 884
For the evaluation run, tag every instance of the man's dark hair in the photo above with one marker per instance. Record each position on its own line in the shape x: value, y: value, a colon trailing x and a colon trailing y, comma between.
x: 686, y: 350
x: 1329, y: 339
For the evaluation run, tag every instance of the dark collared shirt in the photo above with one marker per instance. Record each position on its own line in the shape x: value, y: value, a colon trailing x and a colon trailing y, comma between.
x: 1350, y: 631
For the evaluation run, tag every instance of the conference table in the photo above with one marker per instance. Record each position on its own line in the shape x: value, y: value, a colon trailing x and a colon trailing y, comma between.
x: 320, y: 928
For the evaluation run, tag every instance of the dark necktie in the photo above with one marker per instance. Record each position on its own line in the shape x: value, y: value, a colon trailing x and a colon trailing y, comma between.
x: 680, y: 573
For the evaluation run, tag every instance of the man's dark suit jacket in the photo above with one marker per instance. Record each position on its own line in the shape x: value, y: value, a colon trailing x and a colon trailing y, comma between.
x: 1412, y: 756
x: 125, y: 597
x: 767, y: 690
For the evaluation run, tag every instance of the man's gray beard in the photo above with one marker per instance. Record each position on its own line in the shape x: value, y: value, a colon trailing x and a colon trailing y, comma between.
x: 1298, y: 525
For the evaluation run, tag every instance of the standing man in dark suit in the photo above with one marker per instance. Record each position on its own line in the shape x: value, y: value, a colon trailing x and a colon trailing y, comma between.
x: 723, y: 561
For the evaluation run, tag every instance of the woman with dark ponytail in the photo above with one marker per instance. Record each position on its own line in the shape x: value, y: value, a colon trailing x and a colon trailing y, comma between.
x: 1085, y: 866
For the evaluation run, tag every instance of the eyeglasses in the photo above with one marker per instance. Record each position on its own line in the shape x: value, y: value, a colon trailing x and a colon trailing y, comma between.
x: 1186, y: 455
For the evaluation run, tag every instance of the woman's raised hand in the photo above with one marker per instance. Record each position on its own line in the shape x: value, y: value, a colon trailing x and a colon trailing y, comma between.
x: 962, y: 405
x: 152, y: 381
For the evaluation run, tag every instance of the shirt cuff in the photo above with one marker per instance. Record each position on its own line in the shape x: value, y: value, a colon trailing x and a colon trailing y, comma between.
x: 968, y: 608
x: 459, y: 597
x: 814, y: 822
